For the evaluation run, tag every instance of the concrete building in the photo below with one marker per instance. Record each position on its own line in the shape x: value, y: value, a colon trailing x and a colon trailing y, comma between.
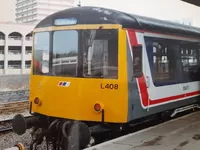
x: 32, y: 11
x: 15, y: 48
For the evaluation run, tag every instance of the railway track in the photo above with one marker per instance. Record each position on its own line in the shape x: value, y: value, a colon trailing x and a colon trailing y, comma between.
x: 5, y: 126
x: 13, y: 106
x: 3, y: 130
x: 14, y: 96
x: 14, y: 91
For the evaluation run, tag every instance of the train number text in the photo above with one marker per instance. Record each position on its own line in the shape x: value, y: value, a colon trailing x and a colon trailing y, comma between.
x: 185, y: 88
x: 109, y: 86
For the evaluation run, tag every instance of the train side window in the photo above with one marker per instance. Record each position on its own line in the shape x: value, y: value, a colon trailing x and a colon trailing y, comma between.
x: 173, y: 61
x: 137, y: 61
x: 163, y: 60
x: 163, y: 69
x: 189, y: 61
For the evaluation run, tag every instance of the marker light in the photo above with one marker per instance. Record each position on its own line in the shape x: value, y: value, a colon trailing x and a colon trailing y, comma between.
x: 97, y: 107
x: 37, y: 101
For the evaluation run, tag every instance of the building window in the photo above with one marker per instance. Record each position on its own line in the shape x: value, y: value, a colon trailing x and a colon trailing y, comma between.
x: 14, y: 64
x: 1, y: 64
x: 2, y: 50
x: 28, y: 64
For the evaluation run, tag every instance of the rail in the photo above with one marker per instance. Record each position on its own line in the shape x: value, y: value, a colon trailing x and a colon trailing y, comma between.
x: 6, y: 125
x: 14, y: 91
x: 6, y: 129
x: 13, y: 106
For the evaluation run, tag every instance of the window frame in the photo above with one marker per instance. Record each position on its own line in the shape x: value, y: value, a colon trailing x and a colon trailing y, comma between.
x: 49, y: 50
x: 135, y: 50
x: 117, y: 50
x: 82, y: 46
x: 78, y: 51
x: 175, y: 56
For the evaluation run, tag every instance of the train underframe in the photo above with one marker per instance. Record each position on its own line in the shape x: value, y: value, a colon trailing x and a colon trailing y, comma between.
x: 68, y: 134
x: 60, y: 133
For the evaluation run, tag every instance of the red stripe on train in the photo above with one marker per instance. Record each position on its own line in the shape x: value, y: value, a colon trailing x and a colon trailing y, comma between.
x: 168, y: 34
x: 145, y: 96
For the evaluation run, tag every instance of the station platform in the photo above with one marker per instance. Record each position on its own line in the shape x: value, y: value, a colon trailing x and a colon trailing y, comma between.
x: 179, y: 134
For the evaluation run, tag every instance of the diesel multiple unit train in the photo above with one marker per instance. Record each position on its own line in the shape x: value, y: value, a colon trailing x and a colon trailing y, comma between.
x: 97, y: 70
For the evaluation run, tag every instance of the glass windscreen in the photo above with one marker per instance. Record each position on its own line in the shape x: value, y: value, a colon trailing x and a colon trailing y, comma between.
x: 41, y: 53
x: 101, y: 54
x: 65, y: 53
x: 77, y: 53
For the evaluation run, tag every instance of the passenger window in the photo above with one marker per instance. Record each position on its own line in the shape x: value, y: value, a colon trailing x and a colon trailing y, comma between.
x: 164, y: 62
x: 189, y: 60
x: 137, y: 61
x: 173, y: 61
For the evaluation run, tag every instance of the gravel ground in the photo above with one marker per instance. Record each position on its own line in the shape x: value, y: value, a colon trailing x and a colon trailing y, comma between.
x: 10, y: 139
x: 14, y: 82
x: 5, y: 125
x: 10, y: 115
x: 15, y: 88
x: 13, y: 96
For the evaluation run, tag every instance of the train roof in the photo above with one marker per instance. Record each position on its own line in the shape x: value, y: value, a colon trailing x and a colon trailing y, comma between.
x: 98, y: 15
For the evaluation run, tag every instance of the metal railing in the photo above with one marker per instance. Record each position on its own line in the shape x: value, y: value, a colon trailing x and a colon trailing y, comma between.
x: 28, y: 53
x: 14, y: 37
x: 27, y: 66
x: 14, y: 52
x: 14, y: 66
x: 2, y: 37
x: 29, y: 38
x: 1, y: 66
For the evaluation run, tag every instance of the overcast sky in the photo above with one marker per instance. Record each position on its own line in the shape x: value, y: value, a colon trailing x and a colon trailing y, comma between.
x: 7, y: 10
x: 161, y: 9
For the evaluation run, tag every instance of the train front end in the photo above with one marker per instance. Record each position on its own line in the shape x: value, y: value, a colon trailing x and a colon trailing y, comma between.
x: 78, y: 80
x: 78, y: 76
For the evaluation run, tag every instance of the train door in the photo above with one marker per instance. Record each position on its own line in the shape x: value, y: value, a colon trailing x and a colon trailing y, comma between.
x: 136, y: 73
x: 144, y: 81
